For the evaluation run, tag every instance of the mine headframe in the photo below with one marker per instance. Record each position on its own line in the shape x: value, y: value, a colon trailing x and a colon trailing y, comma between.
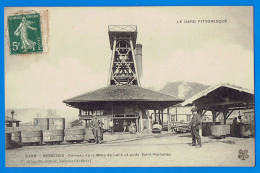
x: 123, y: 67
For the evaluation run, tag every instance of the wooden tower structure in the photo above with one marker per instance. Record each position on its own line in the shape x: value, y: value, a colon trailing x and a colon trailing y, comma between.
x: 123, y: 66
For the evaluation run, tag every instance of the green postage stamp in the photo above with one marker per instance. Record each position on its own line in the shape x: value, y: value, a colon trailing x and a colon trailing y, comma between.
x: 25, y: 33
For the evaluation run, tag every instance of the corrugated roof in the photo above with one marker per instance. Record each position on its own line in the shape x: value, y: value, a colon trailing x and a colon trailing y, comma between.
x: 212, y: 88
x: 123, y: 93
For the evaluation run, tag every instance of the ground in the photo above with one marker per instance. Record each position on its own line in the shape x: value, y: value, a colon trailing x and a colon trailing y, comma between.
x: 143, y: 149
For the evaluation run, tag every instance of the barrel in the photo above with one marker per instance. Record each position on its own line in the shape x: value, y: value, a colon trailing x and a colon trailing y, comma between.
x: 8, y: 141
x: 16, y: 137
x: 74, y: 135
x: 51, y: 136
x: 56, y: 123
x: 31, y: 137
x: 43, y: 123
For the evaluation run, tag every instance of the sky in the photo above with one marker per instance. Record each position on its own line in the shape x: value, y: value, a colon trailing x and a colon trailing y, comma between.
x: 78, y: 53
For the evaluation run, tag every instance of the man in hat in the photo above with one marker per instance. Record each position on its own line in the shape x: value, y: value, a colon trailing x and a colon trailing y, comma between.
x: 195, y: 127
x: 96, y: 129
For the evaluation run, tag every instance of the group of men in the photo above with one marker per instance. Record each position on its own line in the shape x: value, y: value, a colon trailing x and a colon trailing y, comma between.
x: 98, y: 132
x: 195, y: 127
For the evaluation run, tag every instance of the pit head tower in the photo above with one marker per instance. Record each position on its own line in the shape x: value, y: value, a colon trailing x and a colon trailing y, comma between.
x: 126, y: 59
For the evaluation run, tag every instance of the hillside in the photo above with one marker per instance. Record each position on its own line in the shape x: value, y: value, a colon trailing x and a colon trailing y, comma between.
x: 182, y: 89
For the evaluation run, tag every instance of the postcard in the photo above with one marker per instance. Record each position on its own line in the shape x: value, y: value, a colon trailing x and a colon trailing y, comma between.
x: 168, y: 86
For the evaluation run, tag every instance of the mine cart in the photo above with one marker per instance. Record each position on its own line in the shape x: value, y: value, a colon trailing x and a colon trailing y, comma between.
x: 52, y: 137
x: 31, y: 137
x: 220, y: 131
x: 16, y: 138
x: 8, y: 141
x: 74, y: 135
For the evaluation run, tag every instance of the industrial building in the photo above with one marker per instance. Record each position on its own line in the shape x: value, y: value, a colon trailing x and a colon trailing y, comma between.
x: 9, y: 122
x: 123, y: 99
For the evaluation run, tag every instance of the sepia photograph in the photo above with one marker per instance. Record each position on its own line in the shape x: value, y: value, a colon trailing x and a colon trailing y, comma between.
x: 158, y: 86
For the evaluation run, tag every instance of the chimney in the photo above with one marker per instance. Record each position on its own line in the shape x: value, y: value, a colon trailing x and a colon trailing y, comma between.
x: 138, y: 58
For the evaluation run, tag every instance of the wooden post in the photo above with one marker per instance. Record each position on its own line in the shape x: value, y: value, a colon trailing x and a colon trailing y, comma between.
x: 154, y: 115
x: 176, y: 113
x: 168, y: 119
x: 225, y: 116
x: 159, y: 116
x: 148, y: 119
x: 80, y: 112
x: 136, y: 72
x: 162, y: 118
x: 111, y: 63
x: 214, y: 116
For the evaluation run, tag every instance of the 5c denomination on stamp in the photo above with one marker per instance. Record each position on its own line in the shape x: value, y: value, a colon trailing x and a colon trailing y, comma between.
x: 25, y: 34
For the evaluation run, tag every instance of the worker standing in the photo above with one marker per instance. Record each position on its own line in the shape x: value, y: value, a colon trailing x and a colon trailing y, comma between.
x: 124, y: 126
x: 195, y: 127
x: 111, y: 126
x: 235, y: 128
x: 132, y: 128
x: 96, y: 129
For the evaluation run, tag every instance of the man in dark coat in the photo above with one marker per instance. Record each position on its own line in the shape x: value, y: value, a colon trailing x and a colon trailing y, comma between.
x: 195, y: 127
x: 96, y: 129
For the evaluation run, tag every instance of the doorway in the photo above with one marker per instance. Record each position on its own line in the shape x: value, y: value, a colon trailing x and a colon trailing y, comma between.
x: 118, y: 124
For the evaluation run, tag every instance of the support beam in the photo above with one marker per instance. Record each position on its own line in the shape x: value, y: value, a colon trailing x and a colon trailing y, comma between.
x: 229, y: 113
x: 168, y: 119
x: 203, y: 112
x: 148, y: 118
x: 136, y: 72
x: 111, y: 63
x: 80, y: 112
x: 162, y: 118
x: 225, y: 116
x: 159, y: 116
x: 154, y: 115
x: 214, y: 116
x: 176, y: 113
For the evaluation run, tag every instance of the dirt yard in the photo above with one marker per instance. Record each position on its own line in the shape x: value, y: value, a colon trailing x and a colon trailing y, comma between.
x: 137, y: 150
